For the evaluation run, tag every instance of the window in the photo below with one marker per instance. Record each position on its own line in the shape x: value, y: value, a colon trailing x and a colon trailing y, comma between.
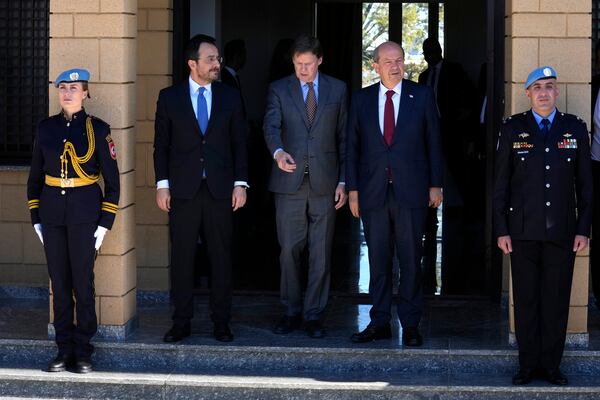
x: 23, y: 76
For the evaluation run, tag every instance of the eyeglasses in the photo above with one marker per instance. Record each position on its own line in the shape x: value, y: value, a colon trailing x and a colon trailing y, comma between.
x: 211, y: 59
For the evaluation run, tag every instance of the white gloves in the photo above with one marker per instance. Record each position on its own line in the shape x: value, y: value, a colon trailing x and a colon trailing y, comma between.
x: 38, y: 230
x: 99, y: 235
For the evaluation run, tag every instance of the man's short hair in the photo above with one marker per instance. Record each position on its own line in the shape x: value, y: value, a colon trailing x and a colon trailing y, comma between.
x: 307, y: 44
x: 191, y: 49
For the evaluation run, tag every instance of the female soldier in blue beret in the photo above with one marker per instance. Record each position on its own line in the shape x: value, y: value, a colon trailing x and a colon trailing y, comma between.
x: 70, y: 213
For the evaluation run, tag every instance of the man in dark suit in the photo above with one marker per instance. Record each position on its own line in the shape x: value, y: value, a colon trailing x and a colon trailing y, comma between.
x: 394, y: 171
x: 305, y: 126
x: 542, y: 208
x: 200, y: 163
x: 235, y: 59
x: 452, y: 90
x: 595, y: 150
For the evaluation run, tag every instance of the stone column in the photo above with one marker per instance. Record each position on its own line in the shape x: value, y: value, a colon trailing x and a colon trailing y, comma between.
x: 554, y: 32
x: 154, y: 72
x: 100, y: 35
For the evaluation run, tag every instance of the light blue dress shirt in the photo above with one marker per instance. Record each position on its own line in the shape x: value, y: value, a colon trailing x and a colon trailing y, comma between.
x: 304, y: 88
x: 539, y: 118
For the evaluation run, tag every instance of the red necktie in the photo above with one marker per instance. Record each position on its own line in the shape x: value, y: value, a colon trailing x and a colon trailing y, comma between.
x: 388, y: 118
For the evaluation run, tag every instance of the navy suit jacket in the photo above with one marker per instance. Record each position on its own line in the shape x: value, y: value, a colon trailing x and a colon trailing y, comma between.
x: 181, y: 152
x: 414, y: 156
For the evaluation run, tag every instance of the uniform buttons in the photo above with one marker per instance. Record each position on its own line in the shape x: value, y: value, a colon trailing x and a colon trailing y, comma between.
x: 202, y: 160
x: 62, y: 192
x: 547, y: 167
x: 547, y: 204
x: 547, y: 149
x: 568, y: 160
x: 64, y: 140
x: 511, y: 209
x: 522, y: 158
x: 547, y: 185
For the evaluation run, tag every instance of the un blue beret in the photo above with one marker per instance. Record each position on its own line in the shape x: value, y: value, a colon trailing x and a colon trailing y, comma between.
x: 73, y: 75
x: 545, y: 72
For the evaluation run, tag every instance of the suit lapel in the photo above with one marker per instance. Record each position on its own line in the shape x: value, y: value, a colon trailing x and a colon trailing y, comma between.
x: 406, y: 104
x: 373, y: 112
x: 187, y: 107
x: 324, y: 92
x: 296, y: 95
x: 215, y: 105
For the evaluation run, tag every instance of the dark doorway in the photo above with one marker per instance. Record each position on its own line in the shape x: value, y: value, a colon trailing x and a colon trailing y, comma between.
x: 471, y: 33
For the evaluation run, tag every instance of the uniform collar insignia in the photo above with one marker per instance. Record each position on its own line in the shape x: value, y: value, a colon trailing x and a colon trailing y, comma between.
x: 523, y: 135
x: 567, y: 135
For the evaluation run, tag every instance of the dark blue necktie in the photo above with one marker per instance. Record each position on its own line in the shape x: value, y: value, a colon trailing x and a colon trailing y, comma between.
x: 545, y: 126
x: 202, y: 111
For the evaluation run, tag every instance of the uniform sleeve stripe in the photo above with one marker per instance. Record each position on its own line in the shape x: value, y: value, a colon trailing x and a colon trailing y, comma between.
x: 109, y: 210
x: 108, y: 204
x: 35, y: 203
x: 32, y: 206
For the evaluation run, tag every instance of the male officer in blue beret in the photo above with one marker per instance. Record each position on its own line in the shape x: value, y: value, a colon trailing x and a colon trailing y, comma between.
x: 542, y: 209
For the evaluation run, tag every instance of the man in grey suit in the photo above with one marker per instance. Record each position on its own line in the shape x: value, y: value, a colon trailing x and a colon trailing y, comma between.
x: 305, y: 129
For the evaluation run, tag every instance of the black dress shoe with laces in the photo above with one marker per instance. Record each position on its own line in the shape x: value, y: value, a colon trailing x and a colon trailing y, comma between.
x: 555, y: 377
x: 314, y: 329
x: 83, y: 365
x: 222, y: 333
x: 523, y: 376
x: 287, y: 324
x: 177, y: 333
x: 411, y: 337
x: 371, y: 333
x: 60, y: 363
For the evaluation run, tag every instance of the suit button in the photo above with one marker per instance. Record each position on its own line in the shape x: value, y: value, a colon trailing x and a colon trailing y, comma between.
x: 202, y: 160
x: 311, y: 137
x: 547, y: 204
x: 62, y: 192
x: 547, y: 167
x: 547, y: 185
x: 547, y: 149
x: 203, y: 141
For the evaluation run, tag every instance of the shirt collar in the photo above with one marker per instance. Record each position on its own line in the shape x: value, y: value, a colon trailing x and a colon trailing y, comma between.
x: 194, y: 86
x: 315, y: 81
x: 539, y: 118
x: 78, y: 114
x: 383, y: 89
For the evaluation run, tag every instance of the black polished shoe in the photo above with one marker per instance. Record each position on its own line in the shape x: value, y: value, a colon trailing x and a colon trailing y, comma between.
x: 371, y: 333
x: 60, y: 363
x: 555, y: 377
x: 83, y: 365
x: 411, y: 337
x: 222, y: 332
x: 288, y: 324
x: 522, y: 377
x: 176, y: 333
x: 314, y: 329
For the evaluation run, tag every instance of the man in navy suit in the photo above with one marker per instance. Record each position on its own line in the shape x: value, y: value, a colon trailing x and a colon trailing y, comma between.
x: 201, y: 168
x: 394, y: 172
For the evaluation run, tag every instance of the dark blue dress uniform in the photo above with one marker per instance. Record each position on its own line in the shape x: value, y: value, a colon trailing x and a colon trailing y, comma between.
x: 65, y: 198
x: 542, y: 199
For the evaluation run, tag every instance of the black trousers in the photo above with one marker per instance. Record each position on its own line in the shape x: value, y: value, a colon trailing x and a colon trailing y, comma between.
x: 542, y: 274
x: 595, y: 242
x: 70, y: 255
x: 388, y: 228
x: 188, y: 218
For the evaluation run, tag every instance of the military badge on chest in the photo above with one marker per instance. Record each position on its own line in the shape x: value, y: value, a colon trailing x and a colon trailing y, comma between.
x: 567, y: 142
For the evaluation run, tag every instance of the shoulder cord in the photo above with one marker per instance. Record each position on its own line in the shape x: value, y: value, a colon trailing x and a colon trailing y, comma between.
x: 77, y: 161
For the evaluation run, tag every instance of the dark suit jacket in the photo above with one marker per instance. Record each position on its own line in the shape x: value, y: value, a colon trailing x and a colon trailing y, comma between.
x: 322, y: 147
x: 414, y: 156
x: 595, y: 88
x: 229, y: 79
x: 523, y: 206
x: 181, y: 152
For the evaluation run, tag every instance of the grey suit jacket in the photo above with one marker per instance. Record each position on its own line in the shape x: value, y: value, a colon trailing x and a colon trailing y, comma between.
x: 323, y: 147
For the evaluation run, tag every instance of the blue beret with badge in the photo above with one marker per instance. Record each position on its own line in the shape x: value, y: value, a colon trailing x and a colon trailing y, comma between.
x: 545, y: 72
x: 72, y: 75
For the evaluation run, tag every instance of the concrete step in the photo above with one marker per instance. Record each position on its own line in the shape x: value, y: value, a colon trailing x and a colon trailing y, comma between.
x: 164, y: 371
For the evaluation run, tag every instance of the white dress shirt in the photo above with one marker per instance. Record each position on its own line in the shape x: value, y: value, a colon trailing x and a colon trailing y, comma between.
x: 395, y: 100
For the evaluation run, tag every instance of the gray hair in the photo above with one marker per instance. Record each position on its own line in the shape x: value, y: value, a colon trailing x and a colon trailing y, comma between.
x: 376, y: 51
